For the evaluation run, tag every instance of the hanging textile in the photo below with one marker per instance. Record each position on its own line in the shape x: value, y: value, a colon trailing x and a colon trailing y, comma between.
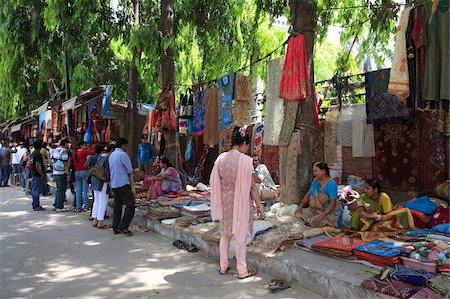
x: 363, y: 140
x: 271, y: 158
x: 257, y: 136
x: 397, y: 155
x: 417, y: 37
x: 330, y: 135
x: 432, y: 148
x: 289, y: 119
x: 186, y: 108
x: 290, y: 192
x: 211, y: 136
x: 345, y: 125
x: 437, y: 53
x: 380, y: 105
x: 243, y: 89
x: 242, y: 105
x: 199, y: 113
x: 399, y: 78
x: 294, y: 84
x: 274, y: 105
x: 226, y: 84
x: 183, y: 126
x: 225, y: 139
x: 106, y: 101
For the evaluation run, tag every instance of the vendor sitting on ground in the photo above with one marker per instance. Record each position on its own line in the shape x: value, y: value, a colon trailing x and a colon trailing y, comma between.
x: 321, y: 199
x: 371, y: 205
x: 168, y: 180
x: 264, y: 182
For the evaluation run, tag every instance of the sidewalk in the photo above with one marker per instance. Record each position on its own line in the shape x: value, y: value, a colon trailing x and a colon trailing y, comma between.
x: 323, y: 275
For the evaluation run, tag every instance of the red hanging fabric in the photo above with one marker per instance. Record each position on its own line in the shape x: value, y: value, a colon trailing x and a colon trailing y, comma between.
x: 294, y: 84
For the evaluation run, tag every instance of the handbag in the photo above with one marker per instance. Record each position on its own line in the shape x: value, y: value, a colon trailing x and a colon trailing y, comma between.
x: 98, y: 171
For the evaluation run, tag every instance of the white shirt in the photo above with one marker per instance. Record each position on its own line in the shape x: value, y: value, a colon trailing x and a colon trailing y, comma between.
x: 17, y: 157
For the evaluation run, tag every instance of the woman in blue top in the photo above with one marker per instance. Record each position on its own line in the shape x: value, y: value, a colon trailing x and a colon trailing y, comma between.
x: 323, y: 208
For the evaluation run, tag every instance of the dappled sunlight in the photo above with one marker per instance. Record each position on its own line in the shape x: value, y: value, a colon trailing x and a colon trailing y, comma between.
x: 91, y: 243
x: 14, y: 214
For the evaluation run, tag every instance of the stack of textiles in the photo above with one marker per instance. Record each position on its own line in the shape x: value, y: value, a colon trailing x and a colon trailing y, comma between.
x: 408, y: 274
x: 390, y: 287
x: 440, y: 284
x: 379, y: 253
x: 338, y: 246
x: 161, y: 213
x: 196, y: 211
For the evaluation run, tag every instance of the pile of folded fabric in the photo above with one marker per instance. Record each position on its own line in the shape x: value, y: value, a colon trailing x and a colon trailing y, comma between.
x: 404, y: 282
x: 426, y: 255
x: 379, y: 253
x: 426, y: 213
x: 196, y: 211
x: 161, y: 213
x: 338, y: 246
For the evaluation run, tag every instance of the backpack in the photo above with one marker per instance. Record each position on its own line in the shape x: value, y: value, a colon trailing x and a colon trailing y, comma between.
x: 58, y: 163
x: 98, y: 171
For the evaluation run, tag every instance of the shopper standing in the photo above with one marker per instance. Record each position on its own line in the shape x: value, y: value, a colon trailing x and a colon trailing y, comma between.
x: 79, y: 158
x: 61, y: 174
x: 121, y: 183
x: 6, y: 163
x: 38, y: 175
x: 145, y: 155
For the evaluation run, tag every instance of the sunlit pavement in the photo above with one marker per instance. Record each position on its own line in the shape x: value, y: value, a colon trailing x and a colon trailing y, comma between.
x: 60, y: 255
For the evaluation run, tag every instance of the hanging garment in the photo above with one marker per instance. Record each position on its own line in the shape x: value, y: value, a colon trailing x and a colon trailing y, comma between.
x: 242, y: 106
x: 363, y: 140
x: 289, y: 119
x: 257, y: 136
x: 294, y: 84
x: 274, y: 105
x: 437, y: 52
x: 345, y: 125
x: 417, y: 37
x: 330, y: 135
x: 432, y: 148
x: 226, y: 85
x: 380, y: 105
x: 399, y: 79
x: 288, y: 166
x: 198, y: 124
x: 186, y: 104
x: 211, y: 136
x: 169, y: 117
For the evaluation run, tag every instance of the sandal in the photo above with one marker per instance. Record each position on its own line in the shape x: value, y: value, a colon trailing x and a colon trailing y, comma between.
x: 95, y: 222
x: 104, y: 225
x: 249, y: 273
x: 278, y: 285
x: 179, y: 244
x: 192, y: 248
x: 224, y: 272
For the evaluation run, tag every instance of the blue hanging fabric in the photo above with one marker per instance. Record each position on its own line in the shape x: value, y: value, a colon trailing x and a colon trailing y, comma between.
x: 188, y: 153
x: 87, y: 136
x: 106, y: 102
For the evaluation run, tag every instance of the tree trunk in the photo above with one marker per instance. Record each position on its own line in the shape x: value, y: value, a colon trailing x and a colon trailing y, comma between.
x: 303, y: 22
x: 131, y: 128
x: 168, y: 76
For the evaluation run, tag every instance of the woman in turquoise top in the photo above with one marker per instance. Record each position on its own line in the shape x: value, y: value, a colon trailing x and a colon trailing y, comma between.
x: 323, y: 207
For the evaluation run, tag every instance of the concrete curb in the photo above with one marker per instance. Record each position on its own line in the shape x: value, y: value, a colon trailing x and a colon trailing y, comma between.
x: 312, y: 273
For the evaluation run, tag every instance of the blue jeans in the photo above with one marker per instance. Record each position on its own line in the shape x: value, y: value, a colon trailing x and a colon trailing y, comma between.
x: 6, y: 170
x: 61, y: 187
x: 82, y: 188
x: 37, y: 185
x: 25, y: 175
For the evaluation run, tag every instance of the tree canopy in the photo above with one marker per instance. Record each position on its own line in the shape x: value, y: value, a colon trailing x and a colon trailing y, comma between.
x: 212, y: 38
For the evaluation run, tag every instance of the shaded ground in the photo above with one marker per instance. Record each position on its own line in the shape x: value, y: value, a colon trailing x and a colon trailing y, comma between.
x: 60, y: 255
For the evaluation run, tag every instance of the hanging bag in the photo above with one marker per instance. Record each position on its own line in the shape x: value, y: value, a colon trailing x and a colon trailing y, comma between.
x: 163, y: 100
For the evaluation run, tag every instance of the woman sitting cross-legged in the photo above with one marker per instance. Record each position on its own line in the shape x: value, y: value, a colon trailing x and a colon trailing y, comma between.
x: 371, y: 206
x: 321, y: 199
x: 168, y: 180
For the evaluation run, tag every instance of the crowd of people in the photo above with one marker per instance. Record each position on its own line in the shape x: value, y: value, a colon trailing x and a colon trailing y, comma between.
x: 238, y: 183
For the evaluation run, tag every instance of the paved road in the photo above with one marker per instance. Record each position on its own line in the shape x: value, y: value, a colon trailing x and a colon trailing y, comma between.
x: 60, y: 255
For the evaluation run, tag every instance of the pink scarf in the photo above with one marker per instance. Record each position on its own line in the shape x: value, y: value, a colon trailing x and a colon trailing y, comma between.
x: 242, y: 201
